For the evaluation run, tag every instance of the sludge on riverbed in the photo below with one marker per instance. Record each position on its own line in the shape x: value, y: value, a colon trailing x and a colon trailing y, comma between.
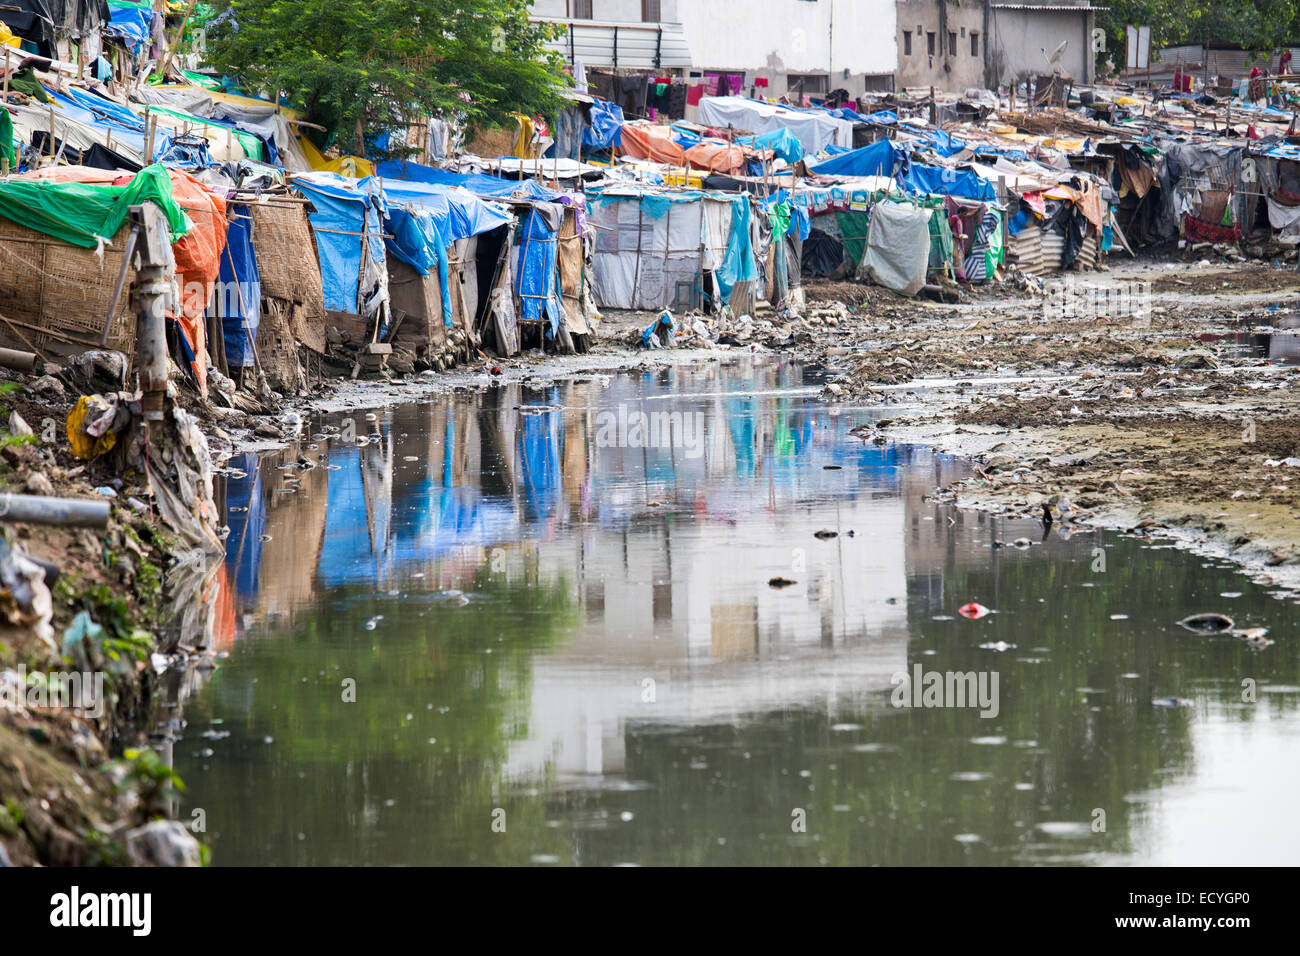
x: 476, y: 634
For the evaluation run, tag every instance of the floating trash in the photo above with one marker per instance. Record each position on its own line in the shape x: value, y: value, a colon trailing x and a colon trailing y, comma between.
x: 1207, y: 623
x: 779, y: 582
x: 1119, y: 617
x: 998, y: 646
x: 825, y: 534
x: 973, y: 611
x: 1254, y: 636
x: 1172, y: 702
x: 1065, y: 829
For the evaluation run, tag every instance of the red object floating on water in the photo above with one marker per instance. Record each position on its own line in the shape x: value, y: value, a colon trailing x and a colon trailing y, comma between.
x: 973, y: 610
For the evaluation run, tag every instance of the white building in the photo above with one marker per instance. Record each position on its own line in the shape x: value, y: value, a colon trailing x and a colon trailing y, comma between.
x: 813, y: 45
x: 816, y: 46
x: 619, y: 34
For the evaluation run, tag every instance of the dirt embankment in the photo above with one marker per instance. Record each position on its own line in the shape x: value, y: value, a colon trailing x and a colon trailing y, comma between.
x: 78, y: 683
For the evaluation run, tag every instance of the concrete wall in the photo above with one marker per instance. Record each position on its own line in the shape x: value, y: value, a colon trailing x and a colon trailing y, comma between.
x: 952, y: 67
x: 777, y: 38
x: 1021, y: 36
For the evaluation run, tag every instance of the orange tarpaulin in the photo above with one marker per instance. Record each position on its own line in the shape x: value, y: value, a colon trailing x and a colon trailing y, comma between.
x: 198, y: 253
x: 655, y: 143
x: 198, y: 260
x: 717, y: 158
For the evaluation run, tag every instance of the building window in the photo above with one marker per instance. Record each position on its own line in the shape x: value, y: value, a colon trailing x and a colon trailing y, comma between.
x: 952, y: 44
x: 810, y: 83
x: 649, y: 11
x: 929, y: 43
x: 581, y: 9
x: 907, y: 43
x: 974, y: 44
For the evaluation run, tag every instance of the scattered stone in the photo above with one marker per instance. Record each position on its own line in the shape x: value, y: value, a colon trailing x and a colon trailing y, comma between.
x: 17, y: 426
x: 47, y: 388
x: 39, y: 484
x: 162, y: 843
x: 266, y: 429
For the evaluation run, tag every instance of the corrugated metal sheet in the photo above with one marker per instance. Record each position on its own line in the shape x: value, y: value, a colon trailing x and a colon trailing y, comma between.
x: 1038, y: 251
x: 1222, y: 62
x: 628, y: 46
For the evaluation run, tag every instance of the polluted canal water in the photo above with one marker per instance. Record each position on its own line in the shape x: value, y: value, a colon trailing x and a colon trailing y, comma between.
x: 604, y: 620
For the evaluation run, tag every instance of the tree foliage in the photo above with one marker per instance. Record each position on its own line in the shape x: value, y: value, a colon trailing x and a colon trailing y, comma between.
x: 369, y: 65
x: 1261, y: 26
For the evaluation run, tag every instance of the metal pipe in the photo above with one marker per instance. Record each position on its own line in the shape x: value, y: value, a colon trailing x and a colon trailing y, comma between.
x: 19, y: 361
x: 64, y: 512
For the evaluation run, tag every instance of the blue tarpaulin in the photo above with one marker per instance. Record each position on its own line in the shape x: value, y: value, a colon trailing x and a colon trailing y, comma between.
x: 458, y: 213
x: 417, y: 242
x: 781, y: 141
x: 606, y: 127
x: 537, y: 273
x: 684, y: 137
x: 738, y: 263
x: 874, y: 160
x: 343, y: 213
x: 936, y: 141
x: 942, y: 181
x: 86, y: 108
x: 134, y: 25
x: 239, y: 298
x: 479, y: 185
x: 182, y: 155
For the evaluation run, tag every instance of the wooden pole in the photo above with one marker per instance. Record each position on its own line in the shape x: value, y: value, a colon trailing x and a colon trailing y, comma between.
x: 180, y: 34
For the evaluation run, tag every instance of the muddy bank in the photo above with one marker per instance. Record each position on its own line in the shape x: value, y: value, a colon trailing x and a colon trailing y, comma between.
x: 1179, y: 418
x: 81, y: 659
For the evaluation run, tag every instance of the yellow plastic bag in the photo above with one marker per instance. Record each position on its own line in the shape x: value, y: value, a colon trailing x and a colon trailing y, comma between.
x: 86, y: 446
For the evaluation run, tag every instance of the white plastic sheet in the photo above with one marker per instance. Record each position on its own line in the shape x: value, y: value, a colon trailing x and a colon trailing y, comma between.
x: 814, y: 130
x: 898, y: 247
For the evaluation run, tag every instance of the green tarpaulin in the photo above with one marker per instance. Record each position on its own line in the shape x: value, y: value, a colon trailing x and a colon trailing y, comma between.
x: 853, y: 233
x: 7, y: 139
x: 83, y: 213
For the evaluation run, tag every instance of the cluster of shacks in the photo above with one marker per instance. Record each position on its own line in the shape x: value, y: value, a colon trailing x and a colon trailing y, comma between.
x: 291, y: 263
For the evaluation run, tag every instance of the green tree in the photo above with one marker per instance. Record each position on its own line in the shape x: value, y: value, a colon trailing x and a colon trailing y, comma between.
x: 1261, y: 26
x: 361, y: 66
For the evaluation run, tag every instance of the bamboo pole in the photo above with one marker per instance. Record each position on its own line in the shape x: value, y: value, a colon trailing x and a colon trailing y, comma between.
x: 180, y: 34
